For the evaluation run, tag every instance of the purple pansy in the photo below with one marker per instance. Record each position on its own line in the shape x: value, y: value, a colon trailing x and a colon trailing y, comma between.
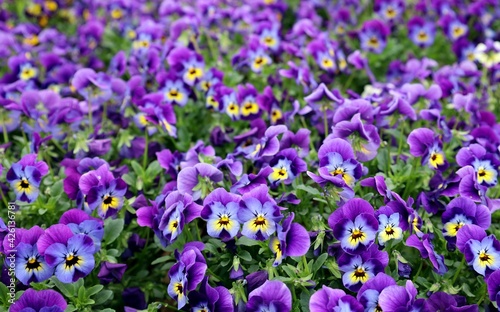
x: 401, y: 298
x: 286, y: 165
x: 47, y: 300
x: 270, y: 296
x: 328, y: 299
x: 354, y: 225
x: 421, y: 32
x: 208, y: 298
x: 480, y: 251
x: 482, y: 163
x: 373, y: 36
x: 220, y: 210
x: 111, y: 272
x: 259, y: 214
x: 424, y: 143
x: 198, y: 180
x: 25, y: 176
x: 424, y: 245
x: 493, y: 283
x: 368, y: 294
x: 292, y: 240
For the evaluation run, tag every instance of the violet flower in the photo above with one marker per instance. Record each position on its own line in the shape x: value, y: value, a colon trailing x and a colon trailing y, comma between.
x: 208, y: 298
x: 220, y: 210
x: 421, y: 32
x: 424, y: 245
x: 328, y: 299
x: 423, y: 142
x: 271, y: 296
x: 198, y: 180
x: 111, y: 272
x: 259, y: 214
x: 25, y: 176
x: 480, y: 251
x: 368, y: 294
x: 493, y: 283
x: 81, y: 223
x: 286, y: 165
x: 39, y: 301
x: 292, y: 240
x: 188, y: 64
x: 30, y: 265
x: 354, y: 225
x: 373, y: 36
x: 397, y: 298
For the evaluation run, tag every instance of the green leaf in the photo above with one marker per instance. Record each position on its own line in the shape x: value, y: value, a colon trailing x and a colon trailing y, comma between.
x: 153, y: 170
x: 103, y: 296
x: 319, y: 262
x: 56, y: 189
x: 129, y: 178
x: 289, y: 270
x: 245, y: 255
x: 81, y: 294
x: 162, y: 259
x: 245, y: 241
x: 309, y: 189
x: 137, y: 168
x: 67, y: 289
x: 94, y: 290
x: 112, y: 229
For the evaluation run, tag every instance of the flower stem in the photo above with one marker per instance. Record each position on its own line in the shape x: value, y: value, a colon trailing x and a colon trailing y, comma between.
x: 145, y: 156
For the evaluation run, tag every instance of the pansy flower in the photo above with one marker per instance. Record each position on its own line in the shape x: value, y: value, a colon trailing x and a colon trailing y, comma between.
x: 480, y: 251
x: 81, y: 223
x: 198, y: 180
x: 270, y: 296
x: 72, y: 256
x: 292, y: 240
x: 483, y: 164
x: 423, y: 142
x: 247, y: 97
x: 358, y: 269
x: 461, y: 211
x: 328, y: 299
x: 389, y: 228
x: 323, y: 55
x: 174, y: 90
x: 287, y: 165
x: 208, y: 298
x: 368, y: 294
x: 389, y: 10
x: 30, y: 265
x: 39, y: 301
x: 373, y: 36
x: 354, y: 225
x: 421, y: 32
x: 453, y: 27
x: 493, y: 283
x: 259, y: 214
x: 188, y: 64
x: 220, y: 210
x: 424, y: 245
x: 25, y: 176
x: 269, y: 35
x: 401, y: 298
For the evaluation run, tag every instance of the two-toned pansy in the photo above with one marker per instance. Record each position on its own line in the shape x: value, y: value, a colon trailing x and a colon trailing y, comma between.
x: 30, y: 265
x: 210, y: 79
x: 354, y: 225
x: 287, y: 165
x: 480, y: 251
x: 493, y: 283
x: 390, y: 10
x: 103, y: 192
x: 368, y: 294
x: 328, y: 299
x: 461, y: 211
x: 268, y: 103
x: 172, y: 87
x: 484, y: 165
x: 373, y: 36
x: 220, y: 210
x: 259, y: 214
x: 71, y: 256
x: 187, y: 64
x: 81, y: 223
x: 421, y: 32
x: 292, y: 240
x: 247, y: 97
x: 324, y: 57
x: 337, y: 162
x: 401, y: 298
x: 270, y: 296
x: 198, y: 180
x: 186, y: 273
x: 208, y: 298
x: 389, y: 228
x: 269, y: 35
x: 227, y: 101
x: 453, y: 27
x: 426, y: 144
x: 25, y: 176
x: 358, y: 269
x: 39, y: 301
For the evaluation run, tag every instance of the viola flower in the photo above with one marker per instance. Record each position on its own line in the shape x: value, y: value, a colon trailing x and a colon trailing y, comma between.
x: 423, y: 142
x: 488, y: 54
x: 81, y: 223
x: 247, y: 97
x: 292, y: 240
x: 259, y: 214
x: 389, y: 10
x: 493, y: 283
x: 373, y: 36
x: 250, y: 181
x: 228, y: 101
x: 188, y: 64
x: 220, y: 210
x: 40, y: 301
x: 208, y: 298
x: 483, y: 164
x: 324, y: 57
x: 268, y: 103
x: 421, y: 32
x: 389, y: 228
x: 368, y: 294
x: 111, y: 272
x: 198, y: 180
x: 269, y: 35
x: 186, y: 273
x: 268, y: 145
x: 180, y: 209
x: 301, y: 74
x: 453, y: 27
x: 441, y: 301
x: 253, y: 55
x: 461, y: 211
x: 397, y: 298
x: 174, y: 90
x: 480, y: 251
x: 287, y: 165
x: 25, y: 176
x: 358, y: 269
x: 329, y: 299
x: 211, y: 78
x: 72, y: 256
x: 271, y: 296
x: 424, y: 245
x: 30, y: 265
x: 354, y: 225
x: 337, y: 163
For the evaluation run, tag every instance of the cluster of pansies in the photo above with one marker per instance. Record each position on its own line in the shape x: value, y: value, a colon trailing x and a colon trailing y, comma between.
x: 263, y: 155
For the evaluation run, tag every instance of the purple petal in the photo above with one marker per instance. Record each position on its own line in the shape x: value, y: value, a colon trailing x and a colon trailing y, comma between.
x: 298, y: 241
x: 468, y: 232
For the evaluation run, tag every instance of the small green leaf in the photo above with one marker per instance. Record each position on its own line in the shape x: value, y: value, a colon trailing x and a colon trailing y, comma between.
x: 94, y: 290
x: 103, y: 296
x: 162, y: 259
x: 137, y: 168
x: 309, y: 189
x: 112, y: 229
x: 319, y: 262
x: 67, y: 289
x: 129, y: 178
x: 245, y: 255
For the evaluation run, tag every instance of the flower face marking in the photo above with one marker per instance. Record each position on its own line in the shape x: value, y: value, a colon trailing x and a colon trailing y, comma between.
x: 436, y: 159
x: 456, y: 224
x: 485, y: 172
x: 72, y: 260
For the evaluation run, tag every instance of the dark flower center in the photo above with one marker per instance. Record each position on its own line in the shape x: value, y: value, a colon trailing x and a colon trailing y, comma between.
x: 259, y: 221
x: 175, y: 224
x: 481, y: 172
x: 359, y: 273
x: 24, y: 183
x: 32, y: 264
x: 107, y: 200
x: 389, y: 231
x: 484, y: 257
x: 192, y: 71
x: 174, y: 92
x: 259, y: 60
x: 248, y: 106
x: 179, y: 288
x: 71, y: 260
x: 224, y: 220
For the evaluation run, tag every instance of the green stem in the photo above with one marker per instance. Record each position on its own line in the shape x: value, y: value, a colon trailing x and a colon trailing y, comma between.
x: 4, y: 198
x: 145, y: 156
x: 104, y: 115
x: 91, y: 125
x: 325, y: 121
x: 457, y: 273
x: 419, y: 268
x: 5, y: 134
